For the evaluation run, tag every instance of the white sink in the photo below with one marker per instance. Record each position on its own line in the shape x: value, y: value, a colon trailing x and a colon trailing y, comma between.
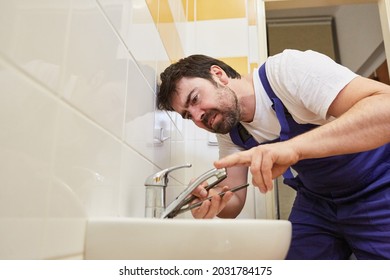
x: 186, y: 239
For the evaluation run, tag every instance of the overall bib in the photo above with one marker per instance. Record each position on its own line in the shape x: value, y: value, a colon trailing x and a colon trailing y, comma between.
x: 342, y: 203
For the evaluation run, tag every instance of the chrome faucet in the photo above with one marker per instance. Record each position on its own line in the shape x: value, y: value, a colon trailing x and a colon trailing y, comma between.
x: 156, y: 187
x: 155, y: 191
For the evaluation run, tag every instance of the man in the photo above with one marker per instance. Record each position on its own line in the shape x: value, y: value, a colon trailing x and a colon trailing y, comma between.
x: 306, y: 112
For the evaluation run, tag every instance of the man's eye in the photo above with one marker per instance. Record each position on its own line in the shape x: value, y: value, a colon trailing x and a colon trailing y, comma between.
x: 188, y: 116
x: 195, y: 99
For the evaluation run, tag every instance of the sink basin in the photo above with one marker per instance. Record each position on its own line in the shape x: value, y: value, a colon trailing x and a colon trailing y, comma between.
x: 186, y: 239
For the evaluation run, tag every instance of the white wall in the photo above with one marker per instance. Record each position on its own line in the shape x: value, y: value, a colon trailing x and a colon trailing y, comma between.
x: 359, y: 34
x: 77, y: 120
x: 358, y: 31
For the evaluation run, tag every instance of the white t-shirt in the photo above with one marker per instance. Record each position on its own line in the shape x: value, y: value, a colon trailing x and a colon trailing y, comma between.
x: 306, y: 83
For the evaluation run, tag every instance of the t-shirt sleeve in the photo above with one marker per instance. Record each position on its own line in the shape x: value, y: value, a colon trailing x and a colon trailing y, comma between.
x: 307, y: 79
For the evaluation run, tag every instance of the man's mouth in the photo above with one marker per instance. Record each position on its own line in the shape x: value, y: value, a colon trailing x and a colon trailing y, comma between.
x: 211, y: 119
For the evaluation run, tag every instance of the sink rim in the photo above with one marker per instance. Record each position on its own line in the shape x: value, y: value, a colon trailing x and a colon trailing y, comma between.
x: 147, y: 238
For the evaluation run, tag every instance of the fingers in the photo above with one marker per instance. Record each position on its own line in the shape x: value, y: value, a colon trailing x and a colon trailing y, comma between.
x: 200, y: 191
x: 257, y: 177
x: 260, y: 162
x: 266, y: 172
x: 201, y: 212
x: 211, y: 208
x: 240, y: 158
x: 261, y: 170
x: 208, y: 209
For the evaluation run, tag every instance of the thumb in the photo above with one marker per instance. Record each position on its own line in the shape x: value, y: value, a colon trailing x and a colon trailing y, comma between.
x: 240, y: 158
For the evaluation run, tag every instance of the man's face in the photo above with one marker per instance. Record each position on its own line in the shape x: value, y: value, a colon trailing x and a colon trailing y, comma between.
x: 214, y: 108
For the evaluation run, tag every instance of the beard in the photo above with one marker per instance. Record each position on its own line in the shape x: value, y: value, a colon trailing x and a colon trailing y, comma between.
x: 228, y: 110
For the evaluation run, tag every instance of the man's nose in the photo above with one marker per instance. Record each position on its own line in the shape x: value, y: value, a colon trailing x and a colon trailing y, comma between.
x: 197, y: 114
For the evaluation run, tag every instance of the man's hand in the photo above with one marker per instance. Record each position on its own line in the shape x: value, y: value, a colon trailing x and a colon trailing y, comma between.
x: 210, y: 209
x: 266, y: 162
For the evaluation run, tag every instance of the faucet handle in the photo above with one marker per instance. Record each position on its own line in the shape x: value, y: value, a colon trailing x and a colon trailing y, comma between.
x: 161, y: 178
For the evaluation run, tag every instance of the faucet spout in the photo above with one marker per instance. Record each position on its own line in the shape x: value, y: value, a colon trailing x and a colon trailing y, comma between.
x: 174, y: 207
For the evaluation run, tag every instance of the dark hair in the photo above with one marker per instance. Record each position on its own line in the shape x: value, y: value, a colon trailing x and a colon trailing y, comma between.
x: 190, y: 67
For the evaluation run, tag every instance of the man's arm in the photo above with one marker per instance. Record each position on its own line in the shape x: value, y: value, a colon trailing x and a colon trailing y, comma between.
x: 362, y: 110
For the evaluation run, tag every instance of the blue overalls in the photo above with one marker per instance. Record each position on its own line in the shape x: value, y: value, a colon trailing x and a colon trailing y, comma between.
x: 342, y: 203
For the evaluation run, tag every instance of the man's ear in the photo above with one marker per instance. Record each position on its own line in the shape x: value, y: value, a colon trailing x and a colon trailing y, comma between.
x: 219, y: 74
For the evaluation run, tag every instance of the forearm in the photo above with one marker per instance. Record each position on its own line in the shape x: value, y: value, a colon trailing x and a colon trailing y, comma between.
x: 236, y: 176
x: 233, y: 208
x: 365, y: 126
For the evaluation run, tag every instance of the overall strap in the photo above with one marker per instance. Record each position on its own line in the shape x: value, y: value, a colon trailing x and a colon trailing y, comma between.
x: 278, y: 106
x: 280, y: 111
x: 241, y: 137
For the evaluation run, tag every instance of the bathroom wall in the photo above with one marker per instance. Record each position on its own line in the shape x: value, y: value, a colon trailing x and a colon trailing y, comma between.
x: 78, y: 128
x: 357, y: 28
x: 359, y: 35
x: 77, y: 120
